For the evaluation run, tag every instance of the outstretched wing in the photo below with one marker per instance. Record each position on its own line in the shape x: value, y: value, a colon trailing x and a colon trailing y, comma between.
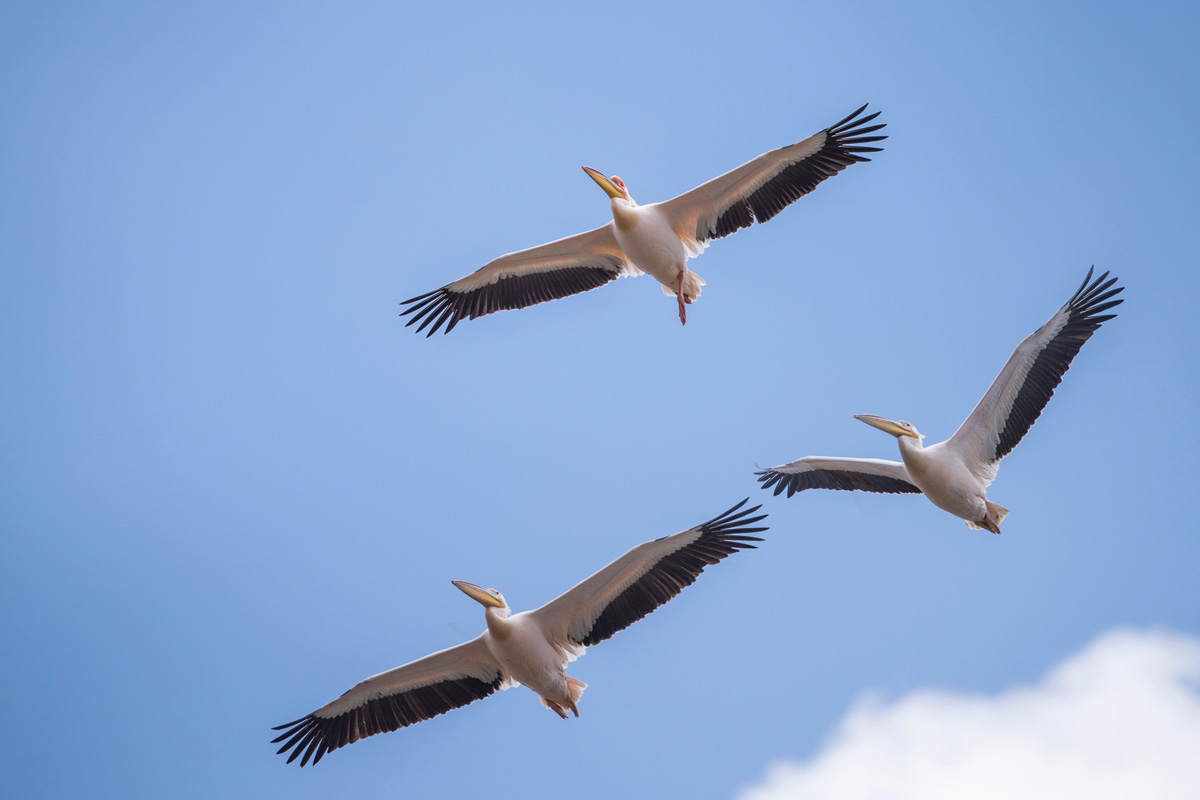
x: 1016, y: 398
x: 546, y: 272
x: 845, y: 474
x: 644, y: 578
x: 417, y: 691
x: 761, y: 188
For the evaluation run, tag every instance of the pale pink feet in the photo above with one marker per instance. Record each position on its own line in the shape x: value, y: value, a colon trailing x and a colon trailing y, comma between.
x: 681, y: 296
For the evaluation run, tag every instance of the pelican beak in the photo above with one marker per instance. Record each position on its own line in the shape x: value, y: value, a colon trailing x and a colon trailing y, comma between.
x: 886, y: 425
x: 478, y: 594
x: 608, y: 186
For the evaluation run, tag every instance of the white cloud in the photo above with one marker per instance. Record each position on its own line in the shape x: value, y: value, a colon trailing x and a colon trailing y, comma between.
x: 1121, y: 719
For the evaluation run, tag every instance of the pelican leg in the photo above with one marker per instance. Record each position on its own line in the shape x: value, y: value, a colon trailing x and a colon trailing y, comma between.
x: 576, y: 688
x: 556, y: 708
x: 995, y: 515
x: 681, y: 296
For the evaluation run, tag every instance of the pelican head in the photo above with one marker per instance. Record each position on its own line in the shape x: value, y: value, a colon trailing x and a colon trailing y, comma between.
x: 614, y: 187
x: 896, y: 429
x: 488, y: 598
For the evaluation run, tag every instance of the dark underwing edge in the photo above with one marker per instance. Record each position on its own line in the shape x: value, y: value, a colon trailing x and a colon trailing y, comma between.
x: 447, y: 306
x: 314, y: 736
x: 1084, y: 315
x: 839, y: 480
x: 846, y: 141
x: 720, y: 537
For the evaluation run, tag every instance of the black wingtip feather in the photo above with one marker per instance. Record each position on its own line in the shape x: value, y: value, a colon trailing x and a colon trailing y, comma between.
x: 416, y: 299
x: 858, y: 111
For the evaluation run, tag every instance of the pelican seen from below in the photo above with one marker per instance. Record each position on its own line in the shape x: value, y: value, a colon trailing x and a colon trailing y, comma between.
x: 531, y: 648
x: 658, y: 238
x: 955, y: 474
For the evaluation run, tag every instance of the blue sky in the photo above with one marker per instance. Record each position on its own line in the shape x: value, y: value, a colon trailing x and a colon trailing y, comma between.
x: 233, y: 484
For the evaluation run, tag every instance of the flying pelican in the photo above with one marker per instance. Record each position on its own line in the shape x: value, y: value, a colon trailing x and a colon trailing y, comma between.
x: 658, y: 238
x: 955, y: 474
x: 531, y: 648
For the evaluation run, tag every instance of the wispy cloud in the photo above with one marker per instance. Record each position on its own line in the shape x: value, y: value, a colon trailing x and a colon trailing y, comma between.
x: 1120, y: 719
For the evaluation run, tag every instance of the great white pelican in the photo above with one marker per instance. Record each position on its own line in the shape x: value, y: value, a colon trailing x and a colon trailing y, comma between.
x: 530, y: 648
x: 658, y: 238
x: 955, y: 474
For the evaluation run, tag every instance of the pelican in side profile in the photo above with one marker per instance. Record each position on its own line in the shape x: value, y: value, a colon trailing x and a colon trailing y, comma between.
x: 658, y: 238
x: 955, y: 474
x: 531, y: 648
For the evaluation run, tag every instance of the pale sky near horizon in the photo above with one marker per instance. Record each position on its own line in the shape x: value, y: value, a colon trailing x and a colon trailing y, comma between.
x: 232, y: 483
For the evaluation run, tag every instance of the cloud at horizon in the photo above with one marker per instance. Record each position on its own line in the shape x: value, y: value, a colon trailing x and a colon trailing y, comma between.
x: 1120, y: 718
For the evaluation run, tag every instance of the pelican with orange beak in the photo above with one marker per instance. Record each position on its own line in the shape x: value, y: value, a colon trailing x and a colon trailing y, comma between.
x: 956, y: 473
x: 530, y: 648
x: 658, y: 238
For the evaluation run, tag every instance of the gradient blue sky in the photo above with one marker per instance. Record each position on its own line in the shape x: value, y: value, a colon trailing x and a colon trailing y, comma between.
x: 233, y: 484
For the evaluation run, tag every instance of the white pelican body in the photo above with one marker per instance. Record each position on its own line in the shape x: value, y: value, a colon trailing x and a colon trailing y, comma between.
x: 956, y: 473
x: 645, y: 235
x: 943, y: 476
x: 520, y: 646
x: 531, y: 648
x: 657, y: 239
